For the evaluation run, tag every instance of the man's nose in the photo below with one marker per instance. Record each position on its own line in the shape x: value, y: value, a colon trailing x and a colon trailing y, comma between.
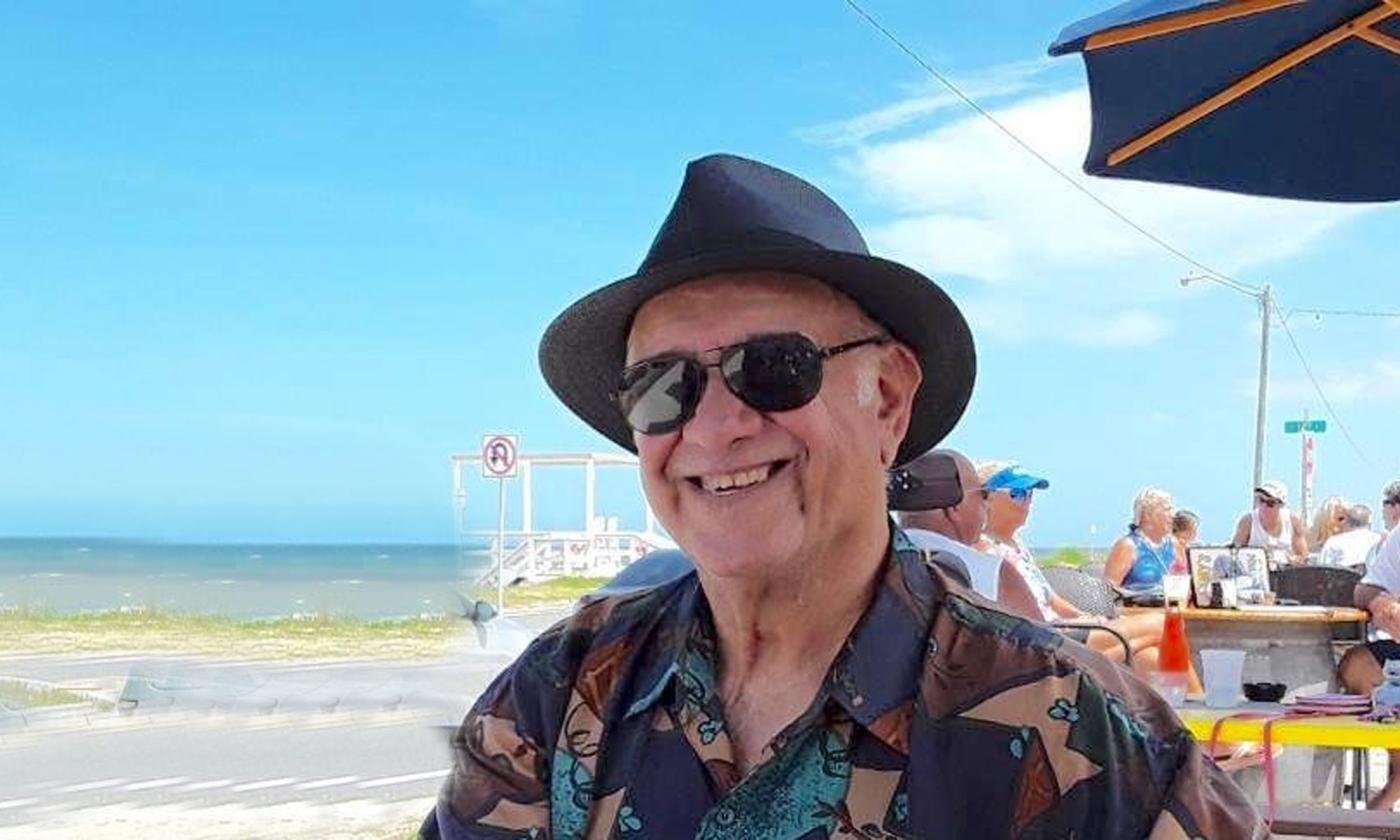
x: 721, y: 418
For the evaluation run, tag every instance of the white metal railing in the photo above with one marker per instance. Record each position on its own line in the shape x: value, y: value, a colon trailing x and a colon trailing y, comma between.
x: 536, y: 555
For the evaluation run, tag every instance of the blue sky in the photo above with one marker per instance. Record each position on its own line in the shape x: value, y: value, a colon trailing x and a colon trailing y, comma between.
x: 263, y: 266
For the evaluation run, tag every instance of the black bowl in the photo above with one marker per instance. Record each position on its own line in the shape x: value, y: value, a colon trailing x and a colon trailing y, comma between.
x: 1265, y: 692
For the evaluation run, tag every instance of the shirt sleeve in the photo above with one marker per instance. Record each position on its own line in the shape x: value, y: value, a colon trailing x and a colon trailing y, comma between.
x: 1189, y: 796
x: 1203, y: 802
x: 499, y: 785
x: 1384, y: 569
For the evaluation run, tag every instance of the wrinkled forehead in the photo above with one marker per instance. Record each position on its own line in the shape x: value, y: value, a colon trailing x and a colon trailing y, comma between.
x: 723, y: 308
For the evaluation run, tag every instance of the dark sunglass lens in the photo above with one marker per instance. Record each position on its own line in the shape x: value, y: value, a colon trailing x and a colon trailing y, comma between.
x: 659, y: 396
x: 779, y: 373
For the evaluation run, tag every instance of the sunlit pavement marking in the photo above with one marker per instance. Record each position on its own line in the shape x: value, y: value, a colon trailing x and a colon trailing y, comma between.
x: 157, y: 783
x: 267, y: 783
x: 205, y: 785
x: 399, y: 780
x: 17, y: 803
x: 86, y: 786
x: 325, y: 783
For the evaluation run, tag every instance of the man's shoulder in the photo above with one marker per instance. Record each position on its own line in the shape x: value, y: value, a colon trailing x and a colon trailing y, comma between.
x: 1388, y: 550
x: 1000, y: 652
x: 614, y: 627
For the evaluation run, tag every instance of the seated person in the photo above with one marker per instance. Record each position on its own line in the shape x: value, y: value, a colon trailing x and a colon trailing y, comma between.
x: 1139, y: 561
x: 1186, y: 530
x: 1355, y: 544
x: 1010, y: 493
x: 1271, y: 525
x: 1359, y: 672
x: 1330, y: 520
x: 942, y: 507
x: 1390, y: 505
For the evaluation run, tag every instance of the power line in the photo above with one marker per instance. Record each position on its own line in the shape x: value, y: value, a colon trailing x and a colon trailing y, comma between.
x: 1355, y: 313
x: 1208, y: 272
x: 1331, y: 412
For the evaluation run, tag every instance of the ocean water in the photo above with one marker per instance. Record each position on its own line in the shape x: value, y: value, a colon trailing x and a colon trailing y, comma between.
x: 370, y: 580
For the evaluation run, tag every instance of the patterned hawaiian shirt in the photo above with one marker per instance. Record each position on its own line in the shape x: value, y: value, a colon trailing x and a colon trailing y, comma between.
x: 941, y: 717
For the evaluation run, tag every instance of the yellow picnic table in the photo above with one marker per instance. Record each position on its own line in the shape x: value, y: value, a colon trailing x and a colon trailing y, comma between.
x: 1339, y: 731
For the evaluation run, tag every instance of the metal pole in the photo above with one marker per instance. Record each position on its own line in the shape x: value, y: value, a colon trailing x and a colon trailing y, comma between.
x: 501, y: 545
x: 1262, y: 411
x: 1303, y: 494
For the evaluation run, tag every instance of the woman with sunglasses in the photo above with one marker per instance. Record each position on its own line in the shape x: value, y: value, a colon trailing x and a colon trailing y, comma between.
x: 1271, y: 525
x: 1010, y: 494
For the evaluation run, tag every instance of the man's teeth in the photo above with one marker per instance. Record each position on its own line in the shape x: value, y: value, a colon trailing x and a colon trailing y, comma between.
x: 735, y: 481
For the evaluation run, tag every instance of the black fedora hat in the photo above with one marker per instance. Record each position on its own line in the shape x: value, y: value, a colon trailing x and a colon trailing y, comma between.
x: 735, y: 214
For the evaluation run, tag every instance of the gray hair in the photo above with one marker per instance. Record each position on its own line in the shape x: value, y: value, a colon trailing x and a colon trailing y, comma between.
x: 1151, y: 497
x: 1358, y: 516
x: 1391, y: 490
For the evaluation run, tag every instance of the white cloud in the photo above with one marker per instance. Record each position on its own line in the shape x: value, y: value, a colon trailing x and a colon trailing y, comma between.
x: 962, y: 199
x: 1377, y: 382
x: 997, y: 82
x: 1129, y: 328
x: 966, y: 188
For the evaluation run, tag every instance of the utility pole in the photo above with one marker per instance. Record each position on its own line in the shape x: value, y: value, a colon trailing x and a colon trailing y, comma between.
x: 1261, y: 416
x: 1265, y: 297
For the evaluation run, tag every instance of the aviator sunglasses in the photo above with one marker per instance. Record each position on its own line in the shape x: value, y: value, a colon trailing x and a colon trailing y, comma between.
x: 767, y: 373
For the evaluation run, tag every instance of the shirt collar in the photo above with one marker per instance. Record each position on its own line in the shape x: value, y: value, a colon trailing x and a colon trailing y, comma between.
x: 665, y: 655
x: 878, y: 667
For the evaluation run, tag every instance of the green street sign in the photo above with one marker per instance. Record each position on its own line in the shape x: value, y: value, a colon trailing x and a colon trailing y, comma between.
x: 1293, y: 427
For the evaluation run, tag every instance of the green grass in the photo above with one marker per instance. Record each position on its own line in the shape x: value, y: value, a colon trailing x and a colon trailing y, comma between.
x: 327, y: 636
x: 558, y: 592
x: 19, y: 695
x: 1067, y: 556
x: 37, y: 631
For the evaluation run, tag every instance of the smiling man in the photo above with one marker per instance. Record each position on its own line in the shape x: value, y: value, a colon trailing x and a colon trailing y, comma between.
x: 814, y: 677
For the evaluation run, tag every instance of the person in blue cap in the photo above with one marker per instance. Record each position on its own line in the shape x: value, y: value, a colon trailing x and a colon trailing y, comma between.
x: 1010, y: 493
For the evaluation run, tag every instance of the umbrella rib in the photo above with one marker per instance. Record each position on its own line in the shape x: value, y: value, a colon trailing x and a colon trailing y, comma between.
x: 1380, y: 39
x: 1177, y: 23
x: 1254, y: 80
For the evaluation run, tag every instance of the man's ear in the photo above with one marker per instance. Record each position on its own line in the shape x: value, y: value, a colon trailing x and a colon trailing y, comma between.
x: 899, y: 379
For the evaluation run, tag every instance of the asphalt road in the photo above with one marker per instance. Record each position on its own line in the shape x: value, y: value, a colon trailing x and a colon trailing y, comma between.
x: 273, y: 737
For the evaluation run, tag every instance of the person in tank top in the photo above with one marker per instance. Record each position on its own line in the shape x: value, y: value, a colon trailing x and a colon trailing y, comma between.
x: 1271, y: 525
x: 1141, y: 559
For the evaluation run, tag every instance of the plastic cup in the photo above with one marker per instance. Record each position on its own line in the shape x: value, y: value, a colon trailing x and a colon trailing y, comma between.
x: 1176, y: 588
x: 1222, y: 671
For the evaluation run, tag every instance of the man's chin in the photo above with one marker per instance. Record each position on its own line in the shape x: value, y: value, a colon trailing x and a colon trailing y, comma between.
x: 732, y: 557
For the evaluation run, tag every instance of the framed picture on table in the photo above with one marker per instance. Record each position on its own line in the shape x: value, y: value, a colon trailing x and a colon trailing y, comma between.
x: 1226, y: 577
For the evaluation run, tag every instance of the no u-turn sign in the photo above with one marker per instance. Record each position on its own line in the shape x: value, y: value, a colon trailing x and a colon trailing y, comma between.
x: 500, y: 456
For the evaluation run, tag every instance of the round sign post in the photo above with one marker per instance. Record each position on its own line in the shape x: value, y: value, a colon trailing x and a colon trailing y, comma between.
x: 500, y: 459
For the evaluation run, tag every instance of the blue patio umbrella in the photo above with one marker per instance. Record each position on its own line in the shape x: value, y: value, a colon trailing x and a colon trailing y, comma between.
x: 1289, y: 98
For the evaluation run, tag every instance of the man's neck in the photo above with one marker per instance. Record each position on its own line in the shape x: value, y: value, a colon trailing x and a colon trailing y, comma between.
x: 778, y: 638
x: 942, y: 526
x: 782, y: 625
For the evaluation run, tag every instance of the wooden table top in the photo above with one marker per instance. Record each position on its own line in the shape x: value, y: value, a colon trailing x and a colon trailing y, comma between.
x: 1269, y: 615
